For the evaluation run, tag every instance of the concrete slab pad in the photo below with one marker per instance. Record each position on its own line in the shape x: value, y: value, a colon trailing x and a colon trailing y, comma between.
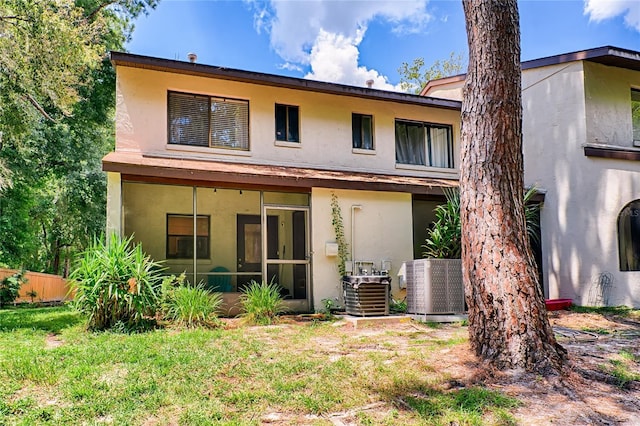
x: 375, y: 320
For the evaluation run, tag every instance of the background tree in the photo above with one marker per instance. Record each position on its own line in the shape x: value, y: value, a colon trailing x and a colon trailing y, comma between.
x: 414, y: 76
x: 508, y: 322
x: 56, y: 123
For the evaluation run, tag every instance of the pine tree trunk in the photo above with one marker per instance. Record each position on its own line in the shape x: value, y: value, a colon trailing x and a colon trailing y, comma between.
x: 508, y: 324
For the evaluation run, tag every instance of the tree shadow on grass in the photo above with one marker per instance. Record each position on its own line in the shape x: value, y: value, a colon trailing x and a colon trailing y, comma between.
x: 49, y: 319
x: 451, y: 402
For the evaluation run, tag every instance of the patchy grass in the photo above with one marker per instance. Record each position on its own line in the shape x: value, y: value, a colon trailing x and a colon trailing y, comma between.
x: 623, y: 367
x: 299, y: 373
x: 620, y: 311
x: 463, y: 406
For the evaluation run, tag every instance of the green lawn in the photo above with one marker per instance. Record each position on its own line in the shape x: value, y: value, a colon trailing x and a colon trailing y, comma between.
x: 52, y: 371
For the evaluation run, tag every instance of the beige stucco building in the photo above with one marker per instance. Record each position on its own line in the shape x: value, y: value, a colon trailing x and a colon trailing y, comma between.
x: 581, y: 137
x: 229, y: 175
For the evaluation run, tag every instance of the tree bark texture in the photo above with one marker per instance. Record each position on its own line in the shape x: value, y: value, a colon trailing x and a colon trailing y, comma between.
x: 508, y: 324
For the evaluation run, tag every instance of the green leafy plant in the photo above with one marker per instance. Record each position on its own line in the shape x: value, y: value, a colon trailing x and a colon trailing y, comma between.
x: 261, y: 302
x: 532, y: 215
x: 338, y: 226
x: 398, y: 306
x: 32, y: 295
x: 444, y: 237
x: 330, y: 306
x: 190, y: 306
x: 115, y: 283
x: 10, y: 287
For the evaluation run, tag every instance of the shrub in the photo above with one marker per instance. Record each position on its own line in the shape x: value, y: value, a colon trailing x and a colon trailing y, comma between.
x: 189, y: 306
x: 261, y: 302
x: 115, y: 284
x: 444, y: 237
x: 10, y: 287
x: 398, y: 306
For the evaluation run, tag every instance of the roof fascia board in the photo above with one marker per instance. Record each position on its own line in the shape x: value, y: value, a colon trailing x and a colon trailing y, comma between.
x: 181, y: 67
x: 583, y: 55
x: 598, y: 55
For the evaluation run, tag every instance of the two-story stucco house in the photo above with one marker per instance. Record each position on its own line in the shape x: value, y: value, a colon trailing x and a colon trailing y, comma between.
x: 228, y: 175
x: 581, y: 137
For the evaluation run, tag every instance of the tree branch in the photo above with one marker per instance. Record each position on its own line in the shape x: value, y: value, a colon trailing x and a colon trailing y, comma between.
x: 13, y: 18
x: 93, y: 14
x: 37, y: 106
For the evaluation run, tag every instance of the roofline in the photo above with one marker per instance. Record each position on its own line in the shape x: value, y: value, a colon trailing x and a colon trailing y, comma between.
x: 442, y: 81
x: 608, y: 55
x: 210, y: 71
x: 584, y: 55
x: 227, y: 174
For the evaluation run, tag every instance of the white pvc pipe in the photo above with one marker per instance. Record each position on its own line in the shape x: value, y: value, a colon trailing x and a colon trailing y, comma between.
x: 353, y: 232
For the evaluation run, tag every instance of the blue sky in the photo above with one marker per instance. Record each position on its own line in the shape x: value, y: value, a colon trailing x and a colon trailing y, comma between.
x: 353, y: 41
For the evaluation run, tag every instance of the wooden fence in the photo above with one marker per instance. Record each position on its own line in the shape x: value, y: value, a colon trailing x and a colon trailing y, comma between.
x: 48, y: 288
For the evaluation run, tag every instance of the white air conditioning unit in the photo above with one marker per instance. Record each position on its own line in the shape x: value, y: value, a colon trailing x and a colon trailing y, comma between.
x: 434, y: 286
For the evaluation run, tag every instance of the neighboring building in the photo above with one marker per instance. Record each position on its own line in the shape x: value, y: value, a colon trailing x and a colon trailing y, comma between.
x: 581, y: 137
x: 248, y: 162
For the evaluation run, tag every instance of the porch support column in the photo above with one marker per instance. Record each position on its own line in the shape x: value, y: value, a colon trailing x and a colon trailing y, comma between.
x: 114, y: 204
x: 195, y: 235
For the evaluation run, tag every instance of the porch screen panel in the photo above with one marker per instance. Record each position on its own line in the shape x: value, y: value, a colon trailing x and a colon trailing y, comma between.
x: 229, y: 123
x: 410, y: 140
x: 180, y: 237
x: 188, y: 119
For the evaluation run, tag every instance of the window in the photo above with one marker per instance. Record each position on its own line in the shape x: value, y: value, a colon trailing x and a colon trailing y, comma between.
x: 635, y: 115
x: 629, y: 237
x: 180, y: 236
x: 208, y: 121
x: 362, y: 129
x: 424, y: 144
x: 287, y: 123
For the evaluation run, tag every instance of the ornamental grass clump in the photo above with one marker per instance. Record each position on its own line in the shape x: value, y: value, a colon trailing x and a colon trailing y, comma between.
x: 189, y: 306
x: 115, y: 284
x: 261, y: 303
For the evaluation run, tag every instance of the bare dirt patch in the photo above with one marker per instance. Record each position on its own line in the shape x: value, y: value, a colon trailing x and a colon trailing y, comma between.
x: 587, y: 394
x: 53, y: 341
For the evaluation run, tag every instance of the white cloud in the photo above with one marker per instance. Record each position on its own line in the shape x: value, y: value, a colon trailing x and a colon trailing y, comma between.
x: 599, y: 10
x: 290, y: 67
x: 334, y: 58
x: 326, y: 34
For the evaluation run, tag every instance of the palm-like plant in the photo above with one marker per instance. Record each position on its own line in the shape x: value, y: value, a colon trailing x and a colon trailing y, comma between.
x: 444, y: 237
x: 445, y: 234
x: 115, y: 284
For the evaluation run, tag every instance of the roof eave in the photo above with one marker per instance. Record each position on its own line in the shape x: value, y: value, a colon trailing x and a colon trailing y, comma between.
x: 209, y: 71
x: 606, y: 55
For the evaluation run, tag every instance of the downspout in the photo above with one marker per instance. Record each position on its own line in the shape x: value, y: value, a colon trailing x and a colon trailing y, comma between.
x: 354, y: 207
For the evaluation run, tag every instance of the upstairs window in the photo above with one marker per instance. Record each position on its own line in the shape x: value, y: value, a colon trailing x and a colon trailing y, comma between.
x: 362, y: 129
x: 424, y: 144
x: 629, y: 237
x: 635, y: 115
x: 180, y: 236
x: 287, y: 123
x: 208, y: 121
